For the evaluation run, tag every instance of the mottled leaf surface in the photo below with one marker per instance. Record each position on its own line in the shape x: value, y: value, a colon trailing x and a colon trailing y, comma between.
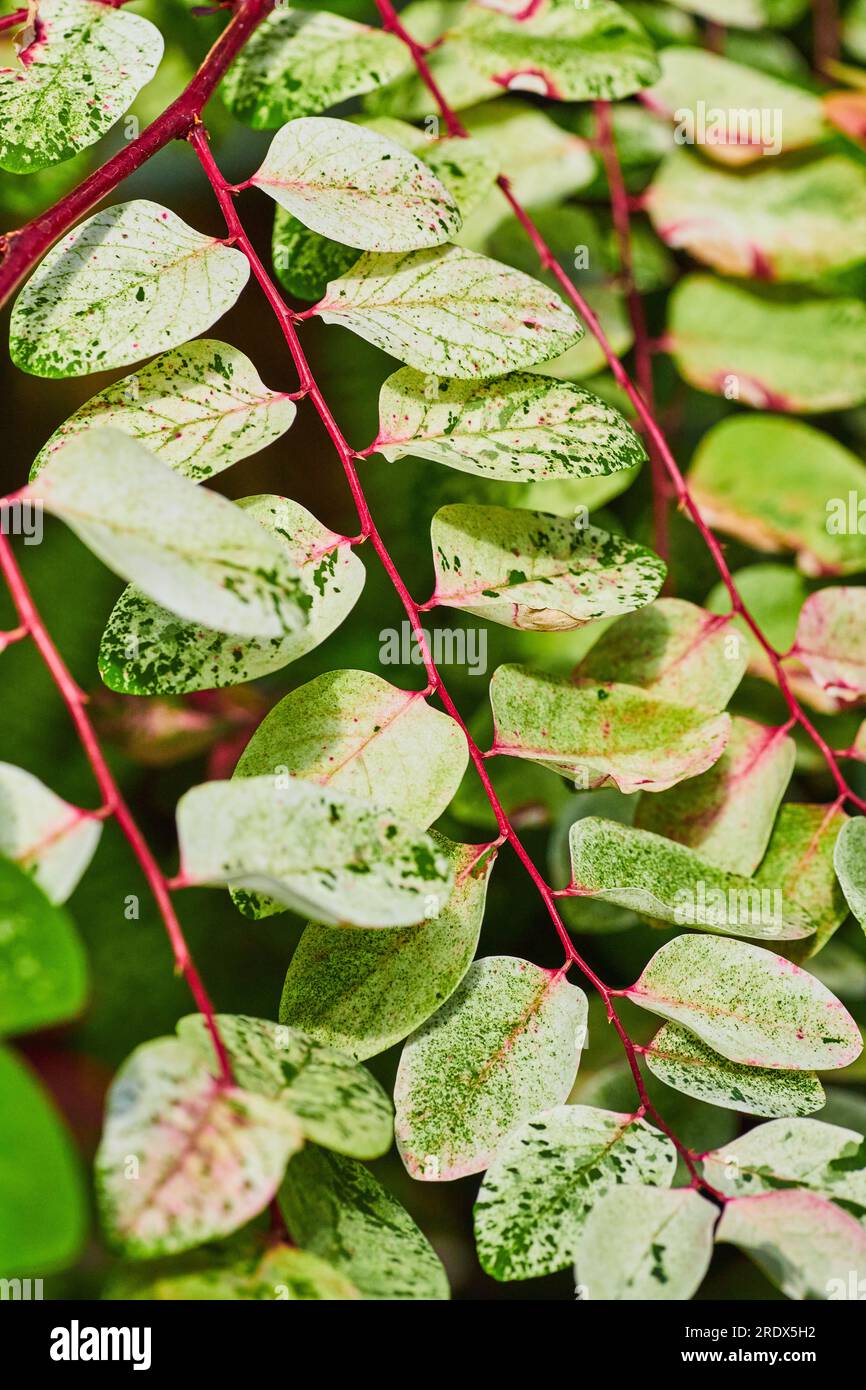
x: 48, y: 838
x: 831, y: 641
x: 682, y: 1061
x: 805, y: 1245
x: 787, y: 1153
x: 799, y: 864
x: 43, y: 968
x: 849, y: 857
x: 645, y: 1244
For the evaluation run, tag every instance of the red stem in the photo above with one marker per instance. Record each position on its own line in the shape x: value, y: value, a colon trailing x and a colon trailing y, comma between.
x: 825, y: 32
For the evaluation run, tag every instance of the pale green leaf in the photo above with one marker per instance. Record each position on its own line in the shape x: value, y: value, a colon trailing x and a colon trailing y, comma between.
x: 644, y: 1244
x: 336, y: 1102
x: 199, y: 408
x: 831, y: 642
x: 784, y: 1153
x: 850, y: 865
x: 682, y: 1061
x: 506, y: 1043
x: 48, y: 838
x: 546, y: 1178
x: 168, y: 1123
x: 43, y: 969
x: 146, y: 650
x: 799, y: 864
x: 748, y: 1004
x: 803, y: 1243
x: 254, y: 1274
x: 80, y: 66
x: 451, y: 311
x: 457, y: 78
x: 325, y: 854
x: 184, y: 546
x: 130, y: 281
x: 362, y: 991
x: 336, y: 1208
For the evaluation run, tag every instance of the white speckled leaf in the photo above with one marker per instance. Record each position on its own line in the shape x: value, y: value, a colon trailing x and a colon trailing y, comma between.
x: 451, y: 311
x: 850, y: 866
x: 80, y: 67
x: 662, y: 879
x: 682, y: 1061
x: 507, y: 1042
x: 786, y: 1153
x: 185, y: 1157
x: 338, y: 1209
x: 184, y: 546
x: 642, y: 1244
x: 324, y: 854
x: 362, y: 991
x: 831, y: 642
x: 302, y: 61
x: 130, y: 281
x: 602, y: 735
x: 799, y: 863
x: 805, y: 1245
x: 519, y: 428
x: 199, y: 408
x: 43, y: 967
x: 547, y: 1176
x: 48, y: 838
x: 356, y: 186
x: 146, y: 650
x: 749, y: 1004
x: 336, y: 1102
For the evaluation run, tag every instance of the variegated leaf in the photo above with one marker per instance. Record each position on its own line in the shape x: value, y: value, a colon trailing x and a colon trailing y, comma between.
x: 803, y: 1243
x: 849, y: 858
x: 644, y: 1244
x: 831, y: 642
x: 48, y: 838
x: 682, y: 1061
x: 807, y: 1154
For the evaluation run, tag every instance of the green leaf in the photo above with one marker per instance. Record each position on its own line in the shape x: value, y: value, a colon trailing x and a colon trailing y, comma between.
x: 804, y: 355
x: 362, y: 991
x: 130, y: 281
x: 602, y: 735
x: 336, y: 1102
x: 299, y: 62
x: 199, y: 408
x: 459, y: 81
x: 798, y: 500
x: 519, y: 428
x: 748, y: 1004
x: 799, y: 863
x: 537, y: 571
x: 80, y: 67
x: 546, y: 1178
x: 644, y: 1244
x: 43, y: 969
x: 806, y: 1154
x: 804, y: 1244
x: 831, y: 642
x: 849, y: 858
x: 281, y: 1274
x: 506, y: 1044
x: 356, y: 186
x: 167, y: 1122
x: 735, y: 113
x: 336, y: 1208
x: 660, y: 878
x: 48, y: 838
x: 146, y: 650
x: 184, y: 546
x: 43, y: 1199
x: 746, y: 14
x: 368, y: 869
x: 727, y: 814
x: 773, y: 223
x: 673, y: 650
x: 682, y: 1061
x: 447, y: 310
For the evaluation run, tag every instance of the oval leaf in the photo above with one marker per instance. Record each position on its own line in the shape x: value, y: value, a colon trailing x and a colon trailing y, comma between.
x: 682, y: 1061
x: 849, y: 858
x: 807, y: 1154
x: 803, y: 1243
x: 48, y: 838
x: 831, y: 642
x: 645, y: 1244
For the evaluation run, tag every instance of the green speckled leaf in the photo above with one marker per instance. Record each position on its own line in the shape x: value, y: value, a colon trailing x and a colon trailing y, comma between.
x: 362, y: 991
x: 520, y: 428
x: 799, y: 863
x: 130, y: 281
x: 727, y: 813
x: 199, y: 408
x: 831, y: 642
x: 682, y: 1061
x: 798, y: 500
x: 80, y: 66
x: 850, y: 864
x: 52, y: 841
x: 805, y: 1245
x: 451, y: 311
x: 169, y: 1122
x: 325, y: 854
x: 642, y: 1244
x: 336, y: 1102
x: 507, y: 1042
x: 788, y: 1153
x: 546, y: 1178
x: 748, y: 1004
x: 338, y: 1209
x: 184, y: 546
x: 301, y: 61
x: 146, y: 650
x: 761, y: 350
x: 533, y: 570
x: 280, y: 1274
x: 662, y: 879
x: 602, y: 735
x: 43, y: 968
